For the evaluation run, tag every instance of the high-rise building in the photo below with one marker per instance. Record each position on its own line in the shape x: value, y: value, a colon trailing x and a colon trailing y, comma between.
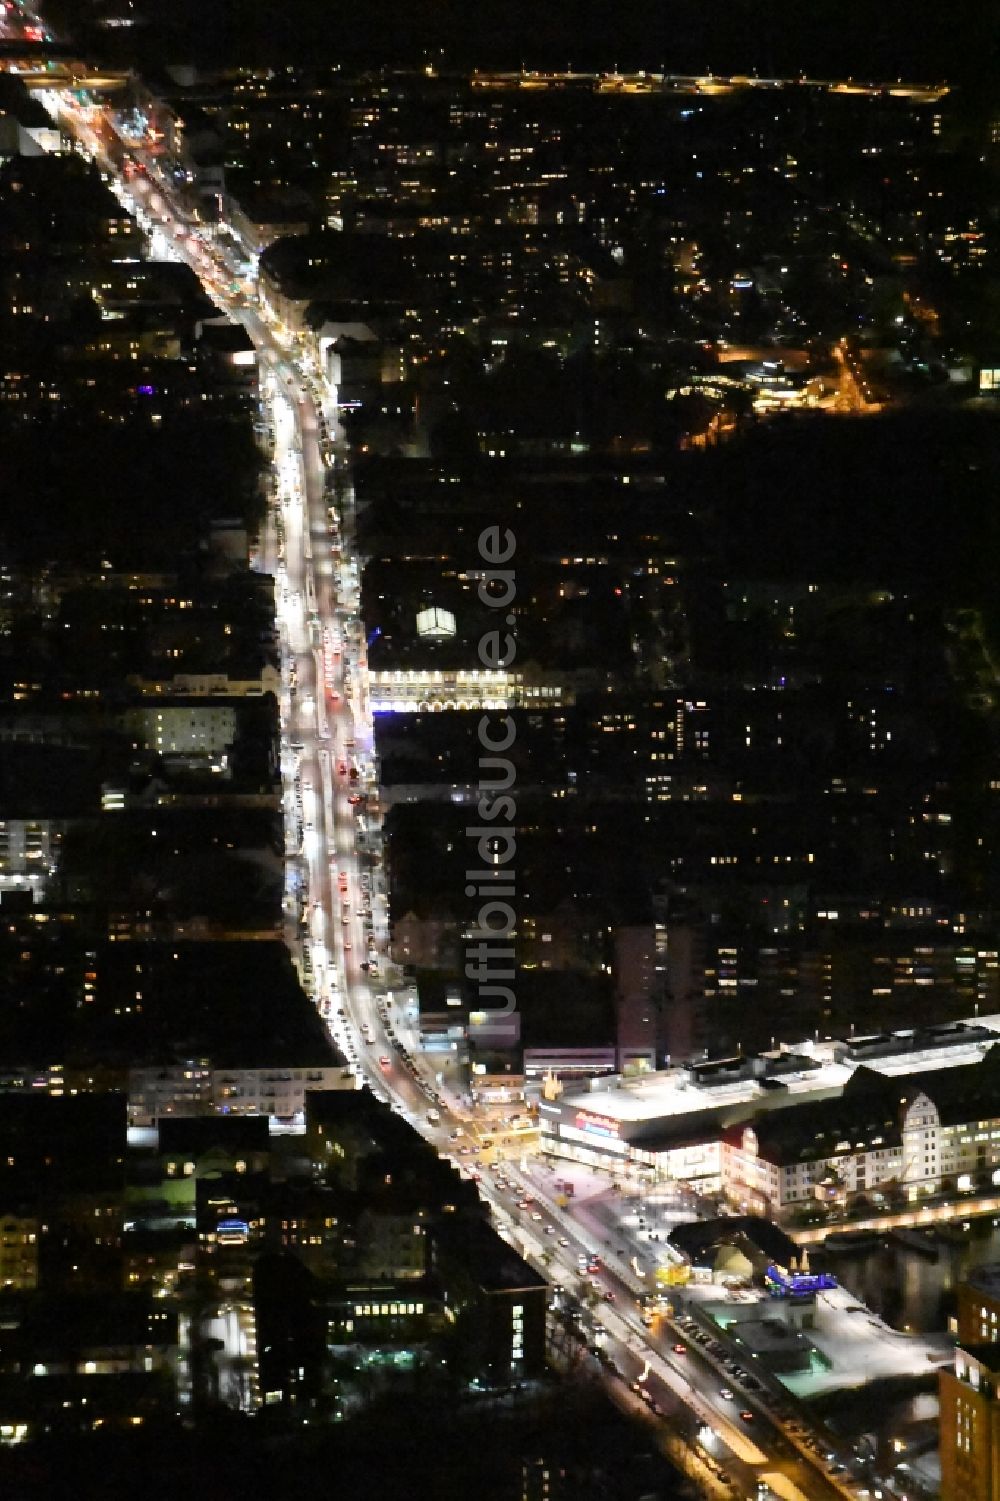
x: 970, y: 1425
x: 979, y: 1307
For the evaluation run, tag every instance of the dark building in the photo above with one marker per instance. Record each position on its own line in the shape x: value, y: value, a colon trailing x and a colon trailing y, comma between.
x: 291, y: 1331
x: 497, y: 1300
x: 63, y: 1177
x: 211, y: 1145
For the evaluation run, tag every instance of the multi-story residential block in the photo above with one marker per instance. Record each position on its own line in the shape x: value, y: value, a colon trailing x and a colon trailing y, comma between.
x: 978, y: 1311
x: 895, y: 1135
x: 188, y: 685
x: 970, y: 1424
x: 196, y: 1087
x: 201, y: 728
x: 19, y: 1252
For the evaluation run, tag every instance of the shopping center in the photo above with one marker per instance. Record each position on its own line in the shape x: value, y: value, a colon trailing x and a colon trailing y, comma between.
x: 684, y: 1123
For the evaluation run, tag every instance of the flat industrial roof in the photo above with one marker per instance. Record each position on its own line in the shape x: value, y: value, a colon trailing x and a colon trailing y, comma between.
x: 675, y: 1092
x: 672, y: 1092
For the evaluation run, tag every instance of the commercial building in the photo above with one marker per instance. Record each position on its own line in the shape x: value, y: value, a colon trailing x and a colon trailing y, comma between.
x: 905, y: 1136
x: 670, y: 1123
x: 911, y: 1112
x: 417, y: 690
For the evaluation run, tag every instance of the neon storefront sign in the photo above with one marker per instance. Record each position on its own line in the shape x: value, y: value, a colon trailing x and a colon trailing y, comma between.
x: 597, y: 1125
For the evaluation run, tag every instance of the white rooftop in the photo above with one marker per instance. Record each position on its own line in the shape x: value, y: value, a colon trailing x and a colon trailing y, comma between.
x: 861, y: 1347
x: 673, y: 1091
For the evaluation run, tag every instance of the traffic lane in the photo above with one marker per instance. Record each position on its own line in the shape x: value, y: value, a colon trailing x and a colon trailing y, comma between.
x: 308, y: 517
x: 668, y: 1403
x: 694, y: 1369
x: 743, y: 1451
x: 694, y: 1373
x: 178, y: 221
x: 396, y: 1081
x: 807, y: 1468
x: 807, y: 1472
x: 702, y: 1376
x: 743, y: 1454
x: 313, y: 478
x: 402, y: 1078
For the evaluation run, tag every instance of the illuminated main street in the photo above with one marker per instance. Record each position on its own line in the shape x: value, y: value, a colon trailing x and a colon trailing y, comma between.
x: 335, y: 903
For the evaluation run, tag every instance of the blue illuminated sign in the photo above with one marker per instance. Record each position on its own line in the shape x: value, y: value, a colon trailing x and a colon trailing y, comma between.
x: 782, y: 1284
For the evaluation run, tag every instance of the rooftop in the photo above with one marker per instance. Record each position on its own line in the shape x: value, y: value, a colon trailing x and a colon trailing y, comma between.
x: 984, y: 1355
x: 799, y: 1072
x: 204, y: 1133
x: 697, y: 1239
x: 679, y: 1092
x: 496, y: 1266
x: 985, y: 1279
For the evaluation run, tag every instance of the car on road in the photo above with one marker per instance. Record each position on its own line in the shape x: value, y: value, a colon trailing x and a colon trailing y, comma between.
x: 747, y: 1415
x: 563, y: 1241
x: 726, y: 1394
x: 680, y: 1349
x: 385, y: 1063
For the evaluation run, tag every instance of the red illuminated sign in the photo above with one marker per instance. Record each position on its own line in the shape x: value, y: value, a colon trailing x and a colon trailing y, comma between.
x: 600, y: 1125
